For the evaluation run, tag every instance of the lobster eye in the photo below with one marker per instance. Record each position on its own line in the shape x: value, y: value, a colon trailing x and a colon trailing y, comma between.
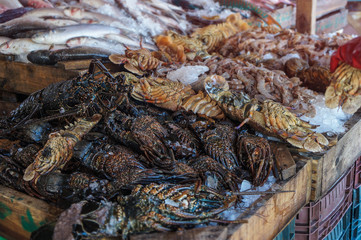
x: 89, y: 207
x: 90, y: 225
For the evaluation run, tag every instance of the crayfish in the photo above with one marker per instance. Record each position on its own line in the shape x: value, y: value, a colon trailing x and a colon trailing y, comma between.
x: 91, y: 93
x: 148, y: 208
x: 269, y: 117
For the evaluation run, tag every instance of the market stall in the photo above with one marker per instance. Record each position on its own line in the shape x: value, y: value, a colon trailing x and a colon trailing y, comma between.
x: 177, y: 120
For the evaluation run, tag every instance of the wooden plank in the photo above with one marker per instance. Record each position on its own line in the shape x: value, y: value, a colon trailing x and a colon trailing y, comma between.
x: 332, y: 22
x: 266, y: 218
x: 306, y: 16
x: 284, y: 161
x: 27, y: 78
x: 324, y: 7
x: 332, y: 165
x: 7, y: 107
x: 285, y: 16
x: 75, y: 65
x: 21, y: 214
x: 316, y: 178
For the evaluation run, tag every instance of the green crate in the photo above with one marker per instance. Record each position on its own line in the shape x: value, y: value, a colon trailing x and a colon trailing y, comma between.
x: 288, y: 233
x: 356, y: 215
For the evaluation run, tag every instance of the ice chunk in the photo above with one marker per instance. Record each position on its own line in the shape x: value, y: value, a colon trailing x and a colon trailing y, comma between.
x: 267, y: 56
x: 245, y: 185
x: 187, y: 74
x: 212, y: 8
x: 285, y: 58
x: 327, y: 119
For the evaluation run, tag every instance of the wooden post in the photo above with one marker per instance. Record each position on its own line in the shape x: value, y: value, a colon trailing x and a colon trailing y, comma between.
x: 306, y: 16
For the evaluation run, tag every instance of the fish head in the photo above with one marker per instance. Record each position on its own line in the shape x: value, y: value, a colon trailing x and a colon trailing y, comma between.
x: 39, y: 37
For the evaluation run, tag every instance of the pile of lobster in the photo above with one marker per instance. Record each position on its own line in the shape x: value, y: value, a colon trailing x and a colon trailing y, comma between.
x: 135, y: 152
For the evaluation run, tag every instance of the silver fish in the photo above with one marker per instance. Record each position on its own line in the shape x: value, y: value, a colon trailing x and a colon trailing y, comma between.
x: 62, y: 34
x: 61, y: 22
x: 130, y: 42
x: 102, y: 43
x: 44, y: 12
x: 79, y: 13
x: 24, y: 24
x: 24, y: 45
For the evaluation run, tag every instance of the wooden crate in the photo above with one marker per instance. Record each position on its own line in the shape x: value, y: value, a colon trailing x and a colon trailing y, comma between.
x: 327, y: 169
x: 26, y: 78
x: 324, y: 7
x: 332, y: 22
x: 20, y: 213
x: 285, y: 16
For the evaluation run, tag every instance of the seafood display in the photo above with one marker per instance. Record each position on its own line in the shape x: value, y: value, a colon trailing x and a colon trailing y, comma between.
x: 176, y: 110
x: 154, y: 207
x: 59, y: 148
x: 314, y: 49
x: 116, y: 142
x: 102, y: 25
x: 268, y: 117
x: 344, y: 89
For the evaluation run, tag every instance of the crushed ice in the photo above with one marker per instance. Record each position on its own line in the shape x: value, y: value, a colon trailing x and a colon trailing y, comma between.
x: 327, y: 119
x: 211, y: 8
x: 247, y: 200
x: 187, y: 74
x: 287, y: 57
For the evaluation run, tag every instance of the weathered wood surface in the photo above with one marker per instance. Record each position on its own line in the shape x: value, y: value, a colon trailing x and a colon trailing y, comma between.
x: 306, y: 16
x: 324, y: 7
x: 266, y: 217
x: 21, y: 214
x: 332, y: 22
x: 333, y: 164
x: 7, y: 107
x: 284, y: 161
x: 75, y: 65
x: 27, y: 78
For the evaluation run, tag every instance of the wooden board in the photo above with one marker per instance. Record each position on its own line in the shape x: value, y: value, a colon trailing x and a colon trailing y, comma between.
x: 266, y: 218
x: 324, y: 7
x: 285, y: 16
x: 7, y: 107
x: 27, y: 78
x: 331, y: 166
x: 332, y: 22
x: 21, y: 214
x: 306, y: 16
